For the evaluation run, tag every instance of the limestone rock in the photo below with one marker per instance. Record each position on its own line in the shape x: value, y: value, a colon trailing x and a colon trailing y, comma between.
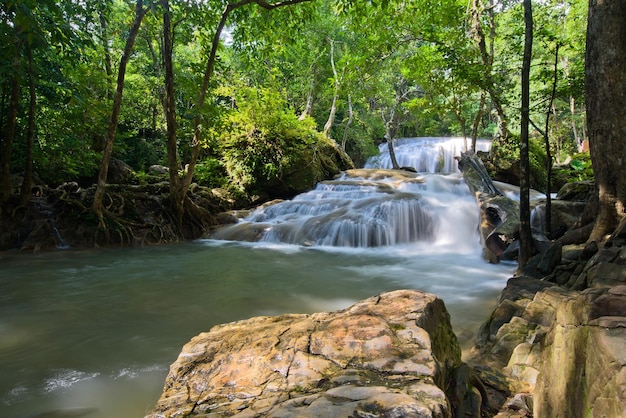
x: 583, y: 364
x: 389, y: 355
x: 565, y: 348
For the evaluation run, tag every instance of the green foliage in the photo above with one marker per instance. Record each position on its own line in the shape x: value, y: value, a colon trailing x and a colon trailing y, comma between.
x: 275, y: 61
x: 210, y: 173
x: 506, y: 156
x: 578, y: 169
x: 581, y: 168
x: 265, y: 143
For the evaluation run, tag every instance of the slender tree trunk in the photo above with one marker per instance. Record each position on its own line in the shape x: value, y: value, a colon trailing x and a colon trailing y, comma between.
x: 169, y: 100
x: 477, y: 119
x: 392, y: 122
x: 333, y: 107
x: 98, y: 142
x: 348, y: 123
x: 463, y: 124
x: 11, y: 127
x: 108, y: 61
x: 308, y: 108
x: 487, y: 56
x: 572, y: 109
x: 525, y: 232
x: 546, y: 139
x: 606, y: 110
x: 27, y: 184
x: 97, y: 205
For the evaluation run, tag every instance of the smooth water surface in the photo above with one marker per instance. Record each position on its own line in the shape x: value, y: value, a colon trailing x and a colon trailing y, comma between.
x: 99, y: 329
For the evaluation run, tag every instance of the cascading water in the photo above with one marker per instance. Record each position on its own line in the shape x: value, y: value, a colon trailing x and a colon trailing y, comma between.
x: 374, y: 207
x: 426, y: 155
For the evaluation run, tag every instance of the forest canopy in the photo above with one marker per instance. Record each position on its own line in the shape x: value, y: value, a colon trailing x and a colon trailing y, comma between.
x: 459, y: 67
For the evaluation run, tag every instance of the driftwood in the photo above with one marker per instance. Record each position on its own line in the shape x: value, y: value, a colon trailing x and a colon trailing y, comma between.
x: 499, y: 215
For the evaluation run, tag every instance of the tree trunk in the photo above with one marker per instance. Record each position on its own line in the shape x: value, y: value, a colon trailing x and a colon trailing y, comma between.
x: 477, y: 119
x: 546, y: 139
x: 8, y: 136
x: 308, y: 108
x: 606, y: 110
x: 487, y: 54
x: 392, y: 122
x: 27, y: 184
x: 526, y: 244
x: 392, y: 154
x: 169, y: 103
x: 348, y: 123
x: 11, y: 127
x: 333, y: 107
x: 97, y: 206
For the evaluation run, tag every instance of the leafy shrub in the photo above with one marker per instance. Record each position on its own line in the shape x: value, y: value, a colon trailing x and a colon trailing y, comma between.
x: 581, y: 168
x: 265, y: 148
x: 210, y: 173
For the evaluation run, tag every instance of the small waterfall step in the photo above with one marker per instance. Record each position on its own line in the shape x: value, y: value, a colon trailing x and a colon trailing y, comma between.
x: 426, y: 154
x: 361, y: 208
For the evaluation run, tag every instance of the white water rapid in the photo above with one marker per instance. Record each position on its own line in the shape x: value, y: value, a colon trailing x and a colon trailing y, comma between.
x: 376, y: 207
x: 426, y: 155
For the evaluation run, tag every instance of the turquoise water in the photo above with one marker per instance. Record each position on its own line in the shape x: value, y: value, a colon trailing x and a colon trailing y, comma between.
x: 99, y: 329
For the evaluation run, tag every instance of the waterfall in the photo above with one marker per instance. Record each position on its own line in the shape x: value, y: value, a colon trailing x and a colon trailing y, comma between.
x: 426, y: 155
x: 46, y: 211
x: 375, y: 207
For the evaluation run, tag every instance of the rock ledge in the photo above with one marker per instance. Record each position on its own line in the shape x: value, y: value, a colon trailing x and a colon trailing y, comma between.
x: 389, y: 355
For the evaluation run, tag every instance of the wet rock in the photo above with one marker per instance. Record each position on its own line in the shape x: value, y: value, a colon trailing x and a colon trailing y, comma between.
x: 576, y: 191
x: 583, y: 363
x: 389, y: 355
x: 563, y: 352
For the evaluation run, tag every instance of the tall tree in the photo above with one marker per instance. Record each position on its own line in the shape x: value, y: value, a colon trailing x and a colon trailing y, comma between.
x: 605, y: 84
x: 181, y: 204
x: 16, y: 13
x: 482, y: 13
x: 97, y: 206
x: 27, y: 183
x: 525, y: 233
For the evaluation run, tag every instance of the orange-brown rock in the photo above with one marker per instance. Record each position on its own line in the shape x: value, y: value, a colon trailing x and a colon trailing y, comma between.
x: 389, y: 355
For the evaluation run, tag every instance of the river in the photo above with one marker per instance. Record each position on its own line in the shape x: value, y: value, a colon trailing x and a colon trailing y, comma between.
x: 98, y: 329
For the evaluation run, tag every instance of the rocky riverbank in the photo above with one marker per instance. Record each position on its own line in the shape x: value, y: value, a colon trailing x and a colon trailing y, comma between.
x: 547, y: 350
x: 391, y: 355
x: 554, y: 346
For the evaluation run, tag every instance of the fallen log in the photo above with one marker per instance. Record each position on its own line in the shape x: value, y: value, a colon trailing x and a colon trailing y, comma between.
x: 499, y: 215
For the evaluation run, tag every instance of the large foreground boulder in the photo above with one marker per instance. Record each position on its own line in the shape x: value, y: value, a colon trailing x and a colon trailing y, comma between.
x: 390, y: 355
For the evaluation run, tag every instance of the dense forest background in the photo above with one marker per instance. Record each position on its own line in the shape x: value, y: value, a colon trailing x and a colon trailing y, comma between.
x: 244, y: 95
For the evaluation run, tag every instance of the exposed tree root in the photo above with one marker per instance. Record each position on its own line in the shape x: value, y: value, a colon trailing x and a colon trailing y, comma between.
x: 133, y: 216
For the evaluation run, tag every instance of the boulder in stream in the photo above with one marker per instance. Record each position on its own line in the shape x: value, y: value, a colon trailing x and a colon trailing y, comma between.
x: 390, y: 355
